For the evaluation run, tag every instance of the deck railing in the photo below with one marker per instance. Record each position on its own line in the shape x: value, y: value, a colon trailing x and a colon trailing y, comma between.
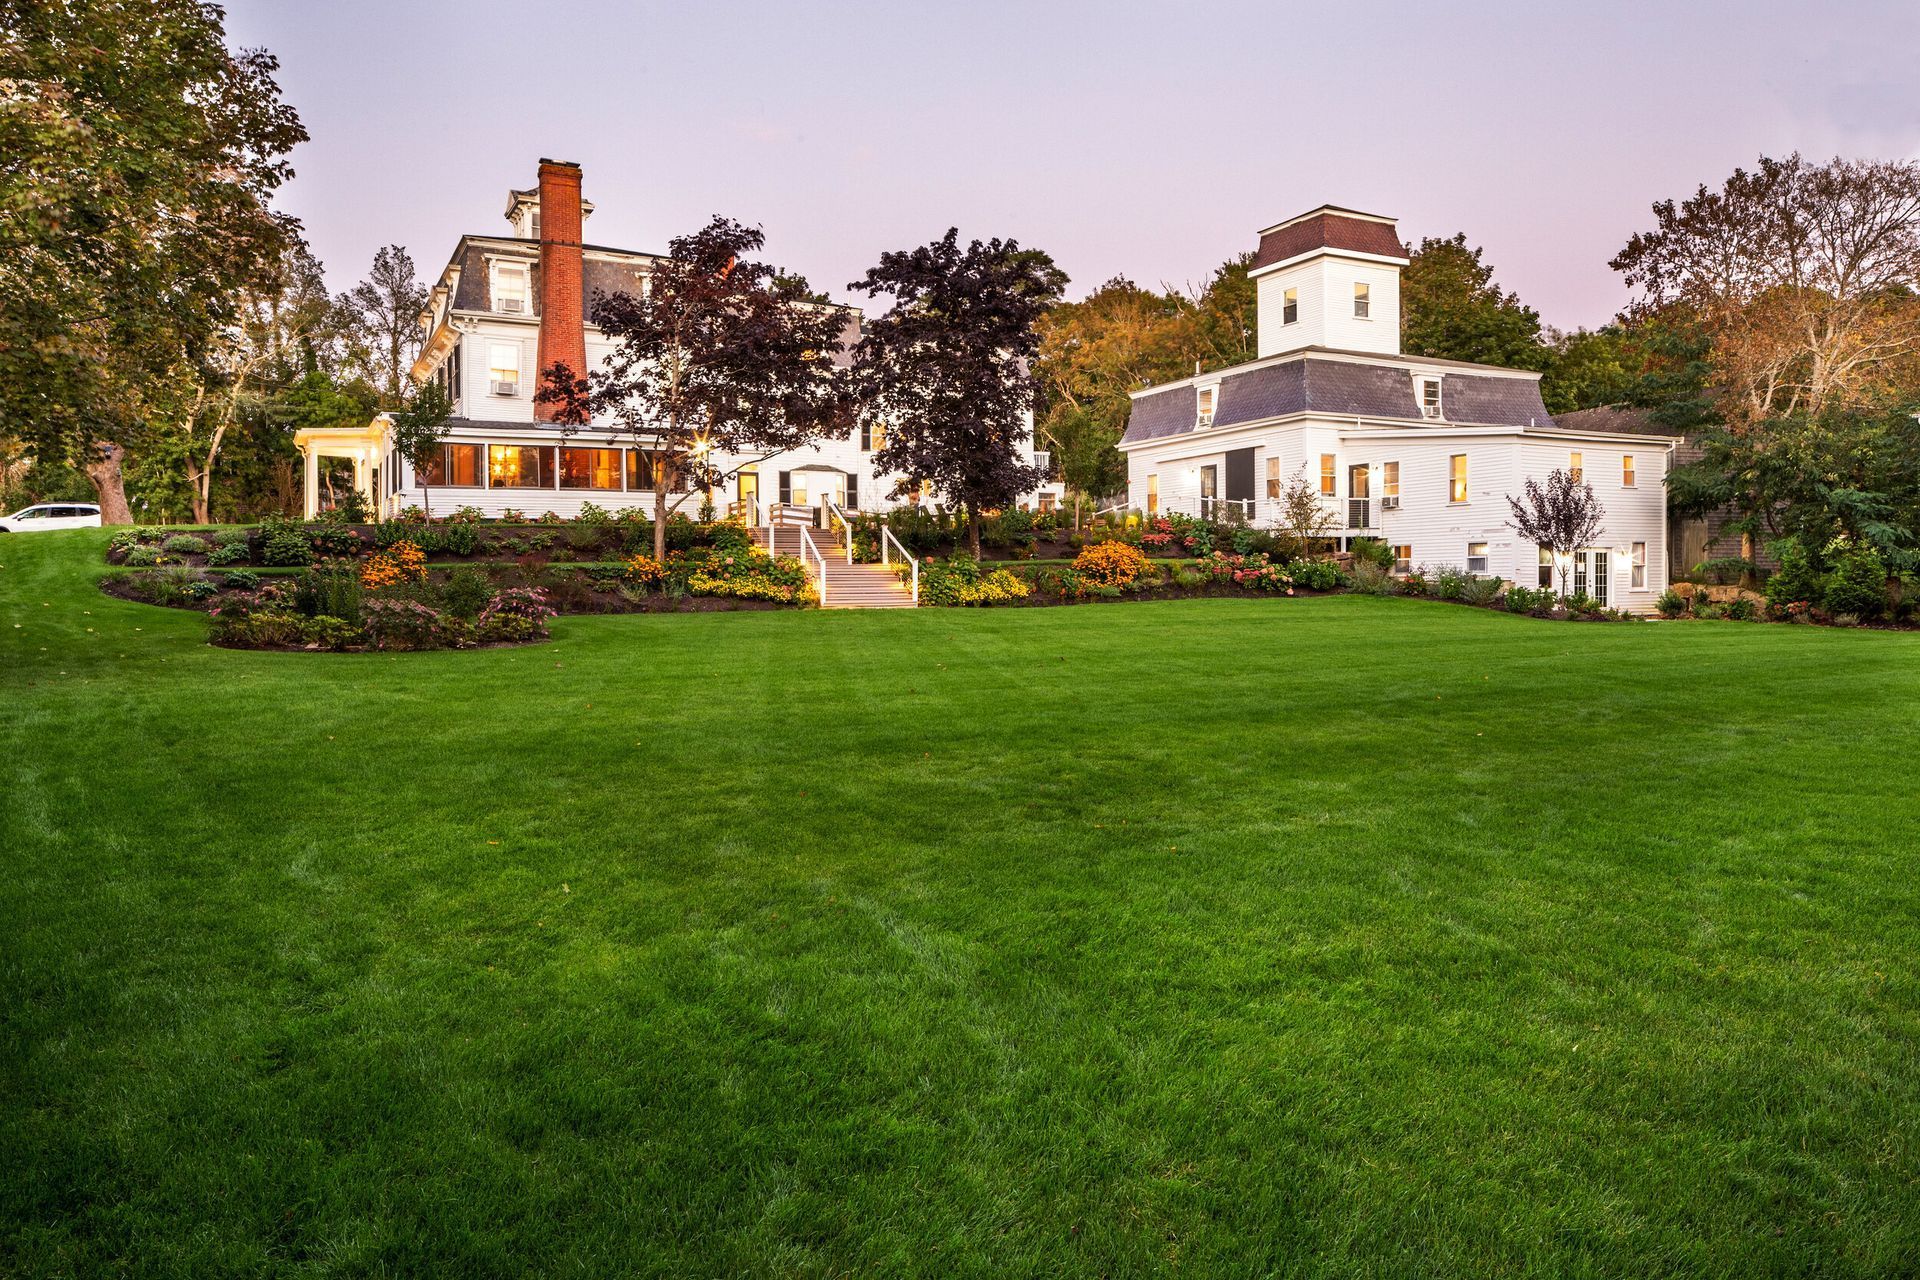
x: 886, y: 538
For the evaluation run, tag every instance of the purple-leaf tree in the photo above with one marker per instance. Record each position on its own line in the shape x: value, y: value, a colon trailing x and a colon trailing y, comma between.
x: 719, y: 357
x: 1562, y: 515
x: 946, y: 368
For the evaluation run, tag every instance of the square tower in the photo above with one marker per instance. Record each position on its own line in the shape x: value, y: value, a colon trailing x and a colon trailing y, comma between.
x: 1329, y: 278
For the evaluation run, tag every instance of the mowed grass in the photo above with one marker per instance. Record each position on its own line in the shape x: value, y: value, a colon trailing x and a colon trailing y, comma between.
x: 1342, y: 937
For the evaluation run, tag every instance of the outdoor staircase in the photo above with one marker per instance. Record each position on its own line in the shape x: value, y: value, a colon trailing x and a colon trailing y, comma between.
x: 847, y: 586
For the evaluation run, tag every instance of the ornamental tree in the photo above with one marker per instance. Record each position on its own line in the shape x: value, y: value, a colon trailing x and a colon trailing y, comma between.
x: 1563, y: 516
x: 946, y: 368
x: 418, y: 429
x: 719, y: 355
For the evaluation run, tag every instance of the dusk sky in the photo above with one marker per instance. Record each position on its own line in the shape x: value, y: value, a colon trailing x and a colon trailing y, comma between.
x: 1150, y: 141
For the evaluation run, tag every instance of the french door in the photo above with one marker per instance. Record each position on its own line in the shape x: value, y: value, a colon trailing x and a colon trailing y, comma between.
x: 1591, y: 575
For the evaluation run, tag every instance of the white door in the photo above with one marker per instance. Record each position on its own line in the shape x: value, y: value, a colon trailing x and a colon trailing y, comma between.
x: 1591, y: 574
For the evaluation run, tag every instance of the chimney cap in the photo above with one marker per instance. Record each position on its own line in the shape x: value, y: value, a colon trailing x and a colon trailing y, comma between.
x: 558, y: 164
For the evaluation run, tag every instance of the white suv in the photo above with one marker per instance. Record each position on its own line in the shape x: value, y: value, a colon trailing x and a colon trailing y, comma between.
x: 52, y: 515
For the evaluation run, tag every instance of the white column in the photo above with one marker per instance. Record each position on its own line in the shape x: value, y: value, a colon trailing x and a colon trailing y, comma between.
x: 313, y: 482
x: 363, y: 478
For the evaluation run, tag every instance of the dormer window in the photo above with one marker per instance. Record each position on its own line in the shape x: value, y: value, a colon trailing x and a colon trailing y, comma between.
x: 510, y: 288
x: 1362, y: 301
x: 1206, y: 406
x: 1430, y: 397
x: 533, y: 224
x: 1290, y: 306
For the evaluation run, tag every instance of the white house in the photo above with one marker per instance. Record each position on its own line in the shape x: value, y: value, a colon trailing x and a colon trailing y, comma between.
x: 509, y: 305
x: 1421, y: 454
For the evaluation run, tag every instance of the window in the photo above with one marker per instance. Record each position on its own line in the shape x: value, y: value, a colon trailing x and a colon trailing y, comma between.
x: 1457, y: 478
x: 456, y: 464
x: 1209, y: 484
x: 1639, y: 578
x: 1574, y: 468
x: 1153, y: 494
x: 1545, y: 578
x: 1046, y: 502
x: 1476, y: 557
x: 510, y: 288
x: 1430, y: 397
x: 520, y: 466
x: 589, y: 468
x: 1362, y: 300
x: 873, y: 435
x: 1626, y: 470
x: 1289, y: 306
x: 639, y: 470
x: 1403, y: 558
x: 1273, y: 476
x: 1206, y: 406
x: 503, y: 368
x: 1390, y: 481
x: 1329, y: 474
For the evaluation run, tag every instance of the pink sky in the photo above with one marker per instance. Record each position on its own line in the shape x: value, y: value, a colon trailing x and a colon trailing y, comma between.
x: 1143, y: 140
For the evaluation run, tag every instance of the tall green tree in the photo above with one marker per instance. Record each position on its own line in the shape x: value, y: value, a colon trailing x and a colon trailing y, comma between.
x: 138, y: 156
x: 1451, y: 309
x: 947, y: 367
x: 384, y: 321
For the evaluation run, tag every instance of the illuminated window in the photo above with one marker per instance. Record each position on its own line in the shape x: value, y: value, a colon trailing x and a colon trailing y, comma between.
x: 1639, y: 566
x: 1153, y: 494
x: 1626, y: 470
x: 1546, y: 567
x: 1476, y: 557
x: 1329, y: 474
x: 639, y: 470
x: 1457, y: 478
x: 873, y: 435
x: 1574, y: 468
x: 510, y: 288
x: 589, y: 468
x: 1206, y: 405
x: 1390, y: 480
x: 1273, y: 477
x: 1289, y: 306
x: 1046, y: 502
x: 503, y: 368
x: 1403, y: 558
x: 1430, y: 397
x: 457, y: 464
x: 520, y: 466
x: 1362, y: 300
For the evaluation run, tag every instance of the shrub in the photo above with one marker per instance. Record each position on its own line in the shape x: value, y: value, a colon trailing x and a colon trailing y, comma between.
x: 1450, y: 582
x: 284, y: 543
x: 407, y: 624
x: 1369, y: 579
x: 1858, y: 583
x: 522, y: 611
x: 186, y: 544
x: 465, y: 515
x: 331, y: 589
x: 1723, y: 571
x: 1249, y: 541
x: 1188, y: 579
x: 1740, y: 609
x: 1317, y: 574
x: 593, y: 514
x: 1415, y: 583
x: 1522, y: 599
x: 585, y: 537
x: 172, y: 585
x: 1481, y: 591
x: 232, y: 537
x: 1584, y: 606
x: 228, y: 553
x: 142, y: 557
x: 332, y: 538
x: 645, y: 571
x: 1796, y: 579
x: 467, y: 592
x: 399, y: 564
x: 240, y: 579
x: 1671, y: 603
x: 1113, y: 564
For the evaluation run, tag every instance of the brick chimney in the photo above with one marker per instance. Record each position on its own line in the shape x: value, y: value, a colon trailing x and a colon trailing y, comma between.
x: 563, y: 333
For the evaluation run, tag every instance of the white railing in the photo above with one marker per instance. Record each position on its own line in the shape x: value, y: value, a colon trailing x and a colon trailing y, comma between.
x: 846, y: 526
x: 806, y: 548
x: 886, y: 536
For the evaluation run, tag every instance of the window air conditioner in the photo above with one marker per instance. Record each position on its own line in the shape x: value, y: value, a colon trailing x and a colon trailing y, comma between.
x: 1206, y: 419
x: 506, y: 388
x: 513, y: 305
x: 1389, y: 504
x: 1431, y: 410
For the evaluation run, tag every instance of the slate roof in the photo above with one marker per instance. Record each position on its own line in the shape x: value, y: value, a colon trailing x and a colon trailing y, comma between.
x: 1341, y: 389
x: 1328, y: 229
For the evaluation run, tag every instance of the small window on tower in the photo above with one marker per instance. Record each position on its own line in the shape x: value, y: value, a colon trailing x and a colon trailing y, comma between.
x: 1206, y: 406
x: 1290, y: 306
x: 1362, y: 300
x: 1430, y: 397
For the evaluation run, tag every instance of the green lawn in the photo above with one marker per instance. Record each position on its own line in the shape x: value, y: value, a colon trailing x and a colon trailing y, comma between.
x: 1335, y: 936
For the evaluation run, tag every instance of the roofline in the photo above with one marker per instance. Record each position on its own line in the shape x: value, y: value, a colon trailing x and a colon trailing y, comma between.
x: 1328, y: 251
x: 1341, y: 355
x: 1403, y: 429
x: 1335, y: 209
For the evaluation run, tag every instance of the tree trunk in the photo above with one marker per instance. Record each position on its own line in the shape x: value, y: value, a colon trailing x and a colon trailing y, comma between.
x: 973, y: 530
x: 1748, y: 578
x: 661, y: 479
x: 109, y: 485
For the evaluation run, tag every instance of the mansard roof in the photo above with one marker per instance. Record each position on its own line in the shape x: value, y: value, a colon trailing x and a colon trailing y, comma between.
x: 1329, y: 227
x: 1341, y: 384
